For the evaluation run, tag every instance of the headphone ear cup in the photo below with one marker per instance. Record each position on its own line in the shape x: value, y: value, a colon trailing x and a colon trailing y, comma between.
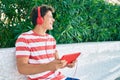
x: 39, y: 18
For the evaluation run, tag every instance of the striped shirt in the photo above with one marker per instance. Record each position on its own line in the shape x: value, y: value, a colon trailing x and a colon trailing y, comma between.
x: 39, y: 49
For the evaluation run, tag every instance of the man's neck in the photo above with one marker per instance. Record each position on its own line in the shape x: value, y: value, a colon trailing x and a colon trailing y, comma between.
x: 39, y: 30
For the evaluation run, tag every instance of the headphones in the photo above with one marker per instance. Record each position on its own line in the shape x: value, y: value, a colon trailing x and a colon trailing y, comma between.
x: 39, y: 18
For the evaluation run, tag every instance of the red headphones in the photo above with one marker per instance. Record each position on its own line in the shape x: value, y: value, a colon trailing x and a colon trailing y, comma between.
x: 39, y: 18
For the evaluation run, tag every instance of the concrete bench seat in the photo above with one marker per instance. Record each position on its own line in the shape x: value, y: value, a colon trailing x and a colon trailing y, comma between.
x: 98, y: 61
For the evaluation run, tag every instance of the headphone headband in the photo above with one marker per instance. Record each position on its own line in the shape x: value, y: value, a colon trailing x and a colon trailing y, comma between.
x: 39, y: 15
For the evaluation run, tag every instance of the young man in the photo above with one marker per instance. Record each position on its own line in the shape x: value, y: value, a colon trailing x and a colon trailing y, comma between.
x: 36, y: 52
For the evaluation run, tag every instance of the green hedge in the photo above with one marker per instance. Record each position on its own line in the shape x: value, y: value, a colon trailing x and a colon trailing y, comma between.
x: 76, y: 20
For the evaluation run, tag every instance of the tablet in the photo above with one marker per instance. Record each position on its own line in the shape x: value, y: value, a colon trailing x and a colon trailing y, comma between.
x: 70, y: 57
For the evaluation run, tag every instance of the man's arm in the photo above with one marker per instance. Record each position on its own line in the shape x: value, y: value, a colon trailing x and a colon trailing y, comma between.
x: 25, y: 68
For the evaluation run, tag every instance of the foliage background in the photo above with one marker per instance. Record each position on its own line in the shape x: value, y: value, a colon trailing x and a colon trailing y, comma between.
x: 76, y: 20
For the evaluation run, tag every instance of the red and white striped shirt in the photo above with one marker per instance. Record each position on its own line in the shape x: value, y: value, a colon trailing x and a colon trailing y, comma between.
x: 39, y: 49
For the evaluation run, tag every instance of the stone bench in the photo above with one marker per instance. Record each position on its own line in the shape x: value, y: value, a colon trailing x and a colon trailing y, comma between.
x: 92, y: 57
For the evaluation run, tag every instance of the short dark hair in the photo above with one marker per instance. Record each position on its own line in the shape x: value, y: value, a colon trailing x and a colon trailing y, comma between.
x: 43, y: 10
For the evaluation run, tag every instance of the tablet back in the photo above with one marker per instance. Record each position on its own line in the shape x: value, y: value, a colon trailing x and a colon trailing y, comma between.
x: 70, y: 57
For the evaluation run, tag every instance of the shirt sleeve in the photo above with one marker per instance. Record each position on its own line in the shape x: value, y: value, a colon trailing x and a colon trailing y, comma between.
x: 22, y: 47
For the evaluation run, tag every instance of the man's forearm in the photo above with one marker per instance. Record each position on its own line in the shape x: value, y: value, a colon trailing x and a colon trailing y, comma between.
x: 29, y: 69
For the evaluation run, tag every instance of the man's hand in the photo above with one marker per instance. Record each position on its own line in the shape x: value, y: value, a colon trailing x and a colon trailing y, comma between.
x: 56, y: 64
x: 56, y: 55
x: 71, y: 65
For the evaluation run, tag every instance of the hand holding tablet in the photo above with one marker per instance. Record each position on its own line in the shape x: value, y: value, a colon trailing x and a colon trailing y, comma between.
x: 70, y: 57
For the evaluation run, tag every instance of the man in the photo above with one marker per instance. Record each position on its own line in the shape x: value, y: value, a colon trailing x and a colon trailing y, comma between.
x: 36, y: 52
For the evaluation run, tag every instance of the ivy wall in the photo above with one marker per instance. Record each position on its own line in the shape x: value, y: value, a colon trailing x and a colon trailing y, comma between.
x: 75, y: 20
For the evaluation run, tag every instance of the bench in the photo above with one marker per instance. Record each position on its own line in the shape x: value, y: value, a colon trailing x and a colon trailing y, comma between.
x: 92, y: 57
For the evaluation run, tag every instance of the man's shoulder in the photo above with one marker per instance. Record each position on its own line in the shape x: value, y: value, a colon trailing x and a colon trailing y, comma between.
x: 23, y: 37
x: 50, y: 36
x: 25, y: 33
